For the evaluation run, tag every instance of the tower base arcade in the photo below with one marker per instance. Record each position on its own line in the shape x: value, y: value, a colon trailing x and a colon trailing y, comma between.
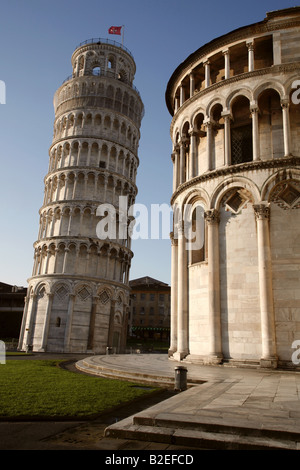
x: 80, y: 315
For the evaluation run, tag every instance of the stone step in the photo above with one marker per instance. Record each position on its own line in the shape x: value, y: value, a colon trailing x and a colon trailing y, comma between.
x: 213, y: 424
x: 123, y: 375
x: 216, y: 439
x: 88, y: 366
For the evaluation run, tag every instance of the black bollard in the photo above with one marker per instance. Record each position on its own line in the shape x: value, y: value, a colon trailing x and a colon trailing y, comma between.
x: 180, y: 378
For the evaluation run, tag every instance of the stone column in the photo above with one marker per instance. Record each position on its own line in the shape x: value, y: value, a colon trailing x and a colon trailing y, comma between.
x: 269, y: 358
x: 74, y: 186
x: 255, y: 135
x: 174, y: 290
x: 250, y: 46
x: 227, y: 63
x: 192, y: 84
x: 46, y: 322
x: 182, y: 297
x: 90, y: 342
x: 79, y: 153
x: 227, y: 138
x: 32, y: 314
x: 174, y: 157
x: 111, y: 324
x: 182, y: 95
x: 209, y: 131
x: 286, y: 127
x: 214, y: 304
x: 64, y: 269
x: 182, y: 162
x: 193, y: 154
x: 207, y: 73
x: 69, y: 322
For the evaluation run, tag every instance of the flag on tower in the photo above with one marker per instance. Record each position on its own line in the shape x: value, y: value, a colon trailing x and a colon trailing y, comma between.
x: 115, y: 30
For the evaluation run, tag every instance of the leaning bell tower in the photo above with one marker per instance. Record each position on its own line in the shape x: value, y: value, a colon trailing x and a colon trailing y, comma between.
x: 78, y: 295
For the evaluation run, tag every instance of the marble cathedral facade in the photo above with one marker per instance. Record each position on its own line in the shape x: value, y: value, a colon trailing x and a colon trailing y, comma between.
x: 235, y: 132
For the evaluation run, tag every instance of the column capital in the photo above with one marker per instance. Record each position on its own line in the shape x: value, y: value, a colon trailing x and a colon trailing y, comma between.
x: 212, y: 216
x: 254, y: 108
x: 192, y: 132
x: 262, y: 211
x: 250, y: 44
x: 207, y: 123
x: 227, y: 114
x: 285, y: 103
x: 174, y: 241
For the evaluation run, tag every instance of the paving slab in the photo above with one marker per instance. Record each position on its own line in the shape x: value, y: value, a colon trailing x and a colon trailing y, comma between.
x: 223, y: 406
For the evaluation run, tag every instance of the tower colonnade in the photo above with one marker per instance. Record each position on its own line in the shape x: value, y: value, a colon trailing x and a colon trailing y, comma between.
x: 236, y: 154
x: 78, y: 294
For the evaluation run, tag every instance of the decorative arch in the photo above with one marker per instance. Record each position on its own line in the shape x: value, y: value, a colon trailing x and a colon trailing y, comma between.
x: 245, y: 91
x: 280, y: 176
x: 269, y: 85
x: 234, y: 182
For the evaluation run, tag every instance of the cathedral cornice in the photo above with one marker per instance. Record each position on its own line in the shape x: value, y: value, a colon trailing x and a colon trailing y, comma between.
x: 268, y: 25
x: 285, y: 162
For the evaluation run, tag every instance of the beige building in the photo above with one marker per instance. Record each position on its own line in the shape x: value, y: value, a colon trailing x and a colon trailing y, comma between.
x: 78, y: 295
x: 236, y: 152
x: 149, y: 309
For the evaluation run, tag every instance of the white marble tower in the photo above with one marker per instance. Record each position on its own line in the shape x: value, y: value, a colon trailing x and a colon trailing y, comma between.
x: 78, y: 294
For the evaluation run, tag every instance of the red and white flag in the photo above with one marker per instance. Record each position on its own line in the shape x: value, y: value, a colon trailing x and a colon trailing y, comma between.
x: 115, y: 30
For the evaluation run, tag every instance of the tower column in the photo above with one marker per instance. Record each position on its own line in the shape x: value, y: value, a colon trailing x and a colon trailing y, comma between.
x: 214, y: 304
x: 207, y: 73
x: 227, y: 63
x: 182, y: 162
x: 69, y: 323
x: 250, y: 45
x: 269, y: 358
x: 192, y: 84
x: 227, y: 138
x: 46, y: 322
x: 255, y: 134
x: 182, y: 297
x: 286, y: 128
x: 209, y: 131
x: 193, y: 154
x: 174, y: 290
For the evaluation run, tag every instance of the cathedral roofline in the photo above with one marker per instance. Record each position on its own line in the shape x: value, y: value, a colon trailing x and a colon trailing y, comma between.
x: 273, y: 21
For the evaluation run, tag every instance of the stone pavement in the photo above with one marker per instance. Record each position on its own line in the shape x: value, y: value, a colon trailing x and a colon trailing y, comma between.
x: 223, y: 408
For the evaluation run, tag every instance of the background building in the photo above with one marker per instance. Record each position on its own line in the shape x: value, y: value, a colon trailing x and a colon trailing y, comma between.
x: 236, y: 152
x: 78, y: 295
x: 11, y: 309
x: 150, y: 309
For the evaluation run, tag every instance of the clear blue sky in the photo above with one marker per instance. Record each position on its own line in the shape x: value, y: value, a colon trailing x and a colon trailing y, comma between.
x: 37, y: 39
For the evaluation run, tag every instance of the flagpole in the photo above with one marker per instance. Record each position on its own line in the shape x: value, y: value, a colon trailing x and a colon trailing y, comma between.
x: 123, y: 27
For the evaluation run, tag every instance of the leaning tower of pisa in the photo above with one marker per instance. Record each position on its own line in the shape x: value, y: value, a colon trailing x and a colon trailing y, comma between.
x: 78, y: 295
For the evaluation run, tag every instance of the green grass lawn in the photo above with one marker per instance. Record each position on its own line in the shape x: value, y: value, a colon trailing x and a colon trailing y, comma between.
x: 40, y: 388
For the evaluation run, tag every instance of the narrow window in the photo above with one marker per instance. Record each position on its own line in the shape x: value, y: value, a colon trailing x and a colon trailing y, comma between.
x: 96, y: 71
